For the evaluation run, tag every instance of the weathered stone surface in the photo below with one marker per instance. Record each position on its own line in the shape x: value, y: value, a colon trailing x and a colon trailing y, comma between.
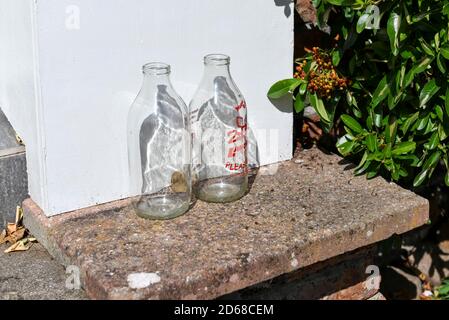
x: 13, y: 174
x: 400, y: 284
x: 310, y: 210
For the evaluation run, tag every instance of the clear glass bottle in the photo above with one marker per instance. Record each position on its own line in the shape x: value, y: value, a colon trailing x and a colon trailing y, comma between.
x: 159, y: 147
x: 219, y: 129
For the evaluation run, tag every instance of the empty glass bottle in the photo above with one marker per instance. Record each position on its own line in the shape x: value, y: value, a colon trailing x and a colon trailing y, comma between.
x: 159, y: 147
x: 219, y: 128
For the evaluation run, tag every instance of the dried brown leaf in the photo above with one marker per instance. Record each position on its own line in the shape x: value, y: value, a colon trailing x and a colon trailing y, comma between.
x: 18, y: 235
x: 3, y: 237
x: 11, y: 228
x: 22, y: 245
x: 19, y: 215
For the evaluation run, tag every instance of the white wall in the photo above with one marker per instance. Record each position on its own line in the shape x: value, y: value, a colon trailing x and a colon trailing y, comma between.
x: 89, y: 76
x: 19, y: 90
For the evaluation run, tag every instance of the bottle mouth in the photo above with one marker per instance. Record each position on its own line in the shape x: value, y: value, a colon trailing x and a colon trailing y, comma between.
x: 156, y: 68
x: 217, y: 59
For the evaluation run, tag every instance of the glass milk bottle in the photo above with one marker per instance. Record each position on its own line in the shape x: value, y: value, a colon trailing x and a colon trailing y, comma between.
x: 219, y: 132
x: 159, y: 147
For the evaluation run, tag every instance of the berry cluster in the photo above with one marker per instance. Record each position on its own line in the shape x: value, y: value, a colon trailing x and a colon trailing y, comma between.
x: 322, y: 77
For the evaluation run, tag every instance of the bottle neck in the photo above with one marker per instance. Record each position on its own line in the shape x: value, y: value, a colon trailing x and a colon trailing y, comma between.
x: 214, y: 71
x: 150, y: 80
x: 155, y: 74
x: 216, y: 65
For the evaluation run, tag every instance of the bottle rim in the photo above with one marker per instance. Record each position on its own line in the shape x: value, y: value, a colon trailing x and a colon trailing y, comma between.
x: 156, y: 68
x: 217, y: 59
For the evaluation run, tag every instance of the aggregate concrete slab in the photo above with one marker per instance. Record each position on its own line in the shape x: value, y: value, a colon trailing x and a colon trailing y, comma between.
x: 34, y: 275
x: 13, y: 172
x: 7, y: 134
x: 310, y: 210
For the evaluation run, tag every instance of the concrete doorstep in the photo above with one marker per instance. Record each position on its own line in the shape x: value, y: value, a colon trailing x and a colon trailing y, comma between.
x: 311, y: 221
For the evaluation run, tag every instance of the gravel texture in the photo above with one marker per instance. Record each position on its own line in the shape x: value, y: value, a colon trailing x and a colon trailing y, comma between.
x: 34, y: 275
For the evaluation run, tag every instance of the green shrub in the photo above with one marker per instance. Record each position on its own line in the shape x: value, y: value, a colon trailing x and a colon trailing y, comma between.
x: 392, y: 56
x: 442, y: 292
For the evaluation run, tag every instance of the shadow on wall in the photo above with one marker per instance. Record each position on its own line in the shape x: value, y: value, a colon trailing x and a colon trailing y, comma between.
x: 286, y: 5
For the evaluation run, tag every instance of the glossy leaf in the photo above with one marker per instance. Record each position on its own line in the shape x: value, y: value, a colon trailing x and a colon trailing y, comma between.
x: 352, y: 123
x: 445, y: 51
x: 281, y: 88
x: 429, y: 90
x: 318, y: 104
x: 381, y: 92
x: 404, y: 147
x: 393, y: 26
x: 371, y: 142
x: 299, y: 103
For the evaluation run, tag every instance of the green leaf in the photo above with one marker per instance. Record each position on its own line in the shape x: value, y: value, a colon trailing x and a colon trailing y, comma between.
x: 446, y: 9
x: 403, y: 147
x: 429, y: 90
x: 445, y: 51
x: 362, y: 169
x: 352, y: 123
x: 393, y: 26
x: 346, y: 148
x: 371, y: 142
x: 434, y: 141
x: 281, y: 88
x: 318, y: 104
x: 410, y: 120
x: 361, y: 23
x: 443, y: 132
x: 381, y: 92
x: 336, y: 57
x: 377, y: 117
x: 408, y: 79
x: 432, y: 160
x: 441, y: 64
x: 422, y: 65
x: 299, y: 103
x: 340, y: 2
x: 446, y: 176
x: 371, y: 174
x: 422, y: 123
x: 446, y: 102
x: 303, y: 89
x: 420, y: 178
x: 362, y: 161
x: 391, y: 129
x: 426, y: 47
x: 439, y: 112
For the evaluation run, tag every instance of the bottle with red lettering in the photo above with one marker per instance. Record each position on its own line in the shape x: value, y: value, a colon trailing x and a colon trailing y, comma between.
x: 219, y: 128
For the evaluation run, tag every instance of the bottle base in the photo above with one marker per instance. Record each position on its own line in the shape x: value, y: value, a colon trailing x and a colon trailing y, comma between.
x: 161, y: 207
x: 221, y: 192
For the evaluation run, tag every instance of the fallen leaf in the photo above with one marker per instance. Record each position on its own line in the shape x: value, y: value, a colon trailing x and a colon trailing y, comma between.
x: 19, y: 215
x: 18, y: 235
x: 11, y: 228
x: 15, y: 234
x: 22, y: 245
x: 3, y: 237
